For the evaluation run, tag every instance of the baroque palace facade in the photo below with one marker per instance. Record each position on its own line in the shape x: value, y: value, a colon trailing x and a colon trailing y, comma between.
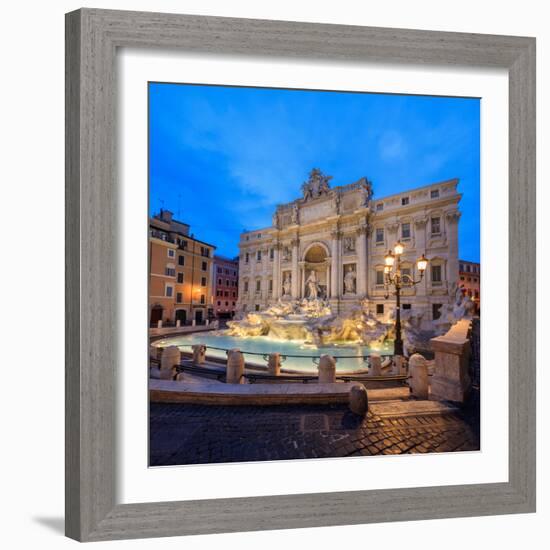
x: 334, y: 240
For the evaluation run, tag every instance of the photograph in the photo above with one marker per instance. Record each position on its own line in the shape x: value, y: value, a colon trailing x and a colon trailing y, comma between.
x: 314, y: 274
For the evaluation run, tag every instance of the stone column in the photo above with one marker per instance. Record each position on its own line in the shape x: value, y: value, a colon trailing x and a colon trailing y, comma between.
x: 452, y: 240
x: 327, y: 276
x: 302, y: 291
x: 295, y: 269
x: 420, y: 241
x: 335, y: 262
x: 361, y: 247
x: 276, y: 272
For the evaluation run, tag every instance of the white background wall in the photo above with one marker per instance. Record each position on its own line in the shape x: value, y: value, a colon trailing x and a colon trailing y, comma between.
x: 32, y: 134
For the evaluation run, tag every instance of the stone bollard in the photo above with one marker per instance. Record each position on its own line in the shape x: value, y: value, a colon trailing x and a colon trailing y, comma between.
x: 178, y: 323
x: 171, y: 356
x: 418, y: 369
x: 159, y: 323
x: 327, y: 369
x: 375, y: 364
x: 399, y: 365
x: 274, y: 364
x: 235, y: 367
x: 358, y: 400
x: 199, y: 354
x: 193, y: 322
x: 207, y: 322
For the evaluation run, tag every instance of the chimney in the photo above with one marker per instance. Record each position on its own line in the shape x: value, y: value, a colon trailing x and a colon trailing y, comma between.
x: 166, y: 216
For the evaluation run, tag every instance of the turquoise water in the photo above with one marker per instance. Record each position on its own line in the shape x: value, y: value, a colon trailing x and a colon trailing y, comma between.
x: 265, y: 345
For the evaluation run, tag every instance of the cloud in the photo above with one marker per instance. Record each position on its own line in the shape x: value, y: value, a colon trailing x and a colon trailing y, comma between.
x: 392, y: 146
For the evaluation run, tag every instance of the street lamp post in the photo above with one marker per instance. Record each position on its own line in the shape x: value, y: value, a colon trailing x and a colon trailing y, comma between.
x: 394, y: 277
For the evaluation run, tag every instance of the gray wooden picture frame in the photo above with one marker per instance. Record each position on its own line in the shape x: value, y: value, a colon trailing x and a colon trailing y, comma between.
x: 92, y: 39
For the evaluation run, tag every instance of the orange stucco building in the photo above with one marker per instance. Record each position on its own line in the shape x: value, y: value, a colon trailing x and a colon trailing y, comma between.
x: 469, y: 275
x: 180, y: 273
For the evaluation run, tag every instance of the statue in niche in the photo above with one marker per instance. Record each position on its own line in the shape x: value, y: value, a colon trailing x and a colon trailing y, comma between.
x: 275, y: 220
x: 349, y: 280
x: 312, y: 286
x: 295, y: 215
x: 349, y: 245
x: 287, y: 284
x: 317, y: 184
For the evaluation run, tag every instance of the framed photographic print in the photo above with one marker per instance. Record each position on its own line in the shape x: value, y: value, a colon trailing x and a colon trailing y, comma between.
x: 292, y: 250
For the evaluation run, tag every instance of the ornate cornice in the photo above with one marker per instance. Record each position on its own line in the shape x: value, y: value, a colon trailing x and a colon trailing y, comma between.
x: 421, y: 222
x: 453, y: 215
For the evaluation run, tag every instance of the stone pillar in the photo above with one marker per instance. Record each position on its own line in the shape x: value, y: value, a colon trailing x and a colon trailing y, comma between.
x: 361, y: 247
x: 452, y: 240
x: 375, y: 364
x: 451, y: 380
x: 199, y: 354
x: 235, y: 367
x: 418, y: 371
x: 276, y: 273
x: 274, y: 364
x: 171, y: 357
x: 420, y: 242
x: 335, y: 262
x: 295, y: 269
x: 358, y: 400
x: 302, y: 291
x: 327, y: 369
x: 327, y: 276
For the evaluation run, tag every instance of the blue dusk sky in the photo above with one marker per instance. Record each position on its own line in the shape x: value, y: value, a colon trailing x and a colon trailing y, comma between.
x: 221, y: 158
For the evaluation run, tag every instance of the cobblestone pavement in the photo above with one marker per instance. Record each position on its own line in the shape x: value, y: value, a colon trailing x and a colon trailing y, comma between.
x: 196, y: 434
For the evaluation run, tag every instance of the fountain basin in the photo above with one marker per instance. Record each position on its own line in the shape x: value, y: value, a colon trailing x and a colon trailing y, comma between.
x: 299, y: 354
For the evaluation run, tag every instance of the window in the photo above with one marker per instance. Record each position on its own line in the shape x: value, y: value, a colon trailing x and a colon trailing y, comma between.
x: 257, y: 307
x: 407, y: 306
x: 226, y: 294
x: 219, y: 303
x: 436, y: 225
x: 380, y: 235
x: 169, y: 291
x: 467, y: 269
x: 203, y: 281
x: 271, y: 254
x: 170, y: 272
x: 406, y: 271
x: 234, y: 294
x: 379, y: 309
x: 219, y: 269
x: 461, y: 278
x: 259, y: 256
x: 404, y: 201
x: 380, y: 207
x: 180, y: 277
x: 171, y: 253
x: 461, y: 268
x: 436, y: 274
x: 226, y: 303
x: 270, y: 285
x: 436, y: 311
x: 476, y: 292
x: 258, y: 285
x: 179, y: 298
x: 203, y: 299
x: 245, y: 286
x: 219, y: 282
x: 379, y: 277
x: 181, y: 260
x: 205, y: 251
x: 405, y: 230
x: 233, y: 304
x: 434, y: 194
x: 227, y: 282
x: 246, y: 257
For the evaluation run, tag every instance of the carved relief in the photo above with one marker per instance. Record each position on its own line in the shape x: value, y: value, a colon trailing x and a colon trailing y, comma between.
x: 317, y: 185
x: 349, y: 245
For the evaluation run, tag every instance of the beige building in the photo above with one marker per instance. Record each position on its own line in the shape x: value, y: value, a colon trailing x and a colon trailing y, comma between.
x: 180, y: 273
x: 334, y: 240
